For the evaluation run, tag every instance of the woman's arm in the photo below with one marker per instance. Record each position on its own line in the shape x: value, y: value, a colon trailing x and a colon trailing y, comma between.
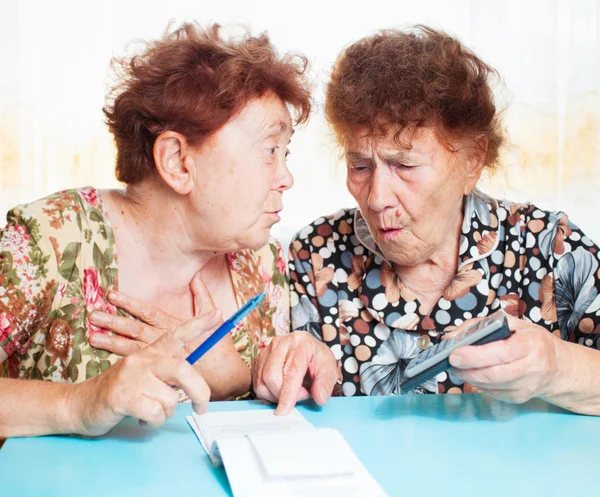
x: 31, y: 407
x: 138, y: 386
x: 577, y: 382
x: 533, y: 363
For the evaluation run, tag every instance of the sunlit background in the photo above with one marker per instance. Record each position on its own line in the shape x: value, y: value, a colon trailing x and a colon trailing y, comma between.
x: 54, y: 59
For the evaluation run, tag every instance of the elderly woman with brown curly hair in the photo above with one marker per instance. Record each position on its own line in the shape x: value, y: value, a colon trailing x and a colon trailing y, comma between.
x: 426, y: 252
x: 201, y: 125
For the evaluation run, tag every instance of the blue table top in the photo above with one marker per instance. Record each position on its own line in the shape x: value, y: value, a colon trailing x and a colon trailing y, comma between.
x: 441, y: 445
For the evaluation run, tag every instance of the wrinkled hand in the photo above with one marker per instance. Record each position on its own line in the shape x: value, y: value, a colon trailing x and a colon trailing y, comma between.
x: 131, y: 335
x: 281, y: 371
x: 517, y: 369
x: 139, y: 384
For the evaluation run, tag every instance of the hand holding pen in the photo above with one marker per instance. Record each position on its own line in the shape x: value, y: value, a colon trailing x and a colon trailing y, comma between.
x: 227, y: 326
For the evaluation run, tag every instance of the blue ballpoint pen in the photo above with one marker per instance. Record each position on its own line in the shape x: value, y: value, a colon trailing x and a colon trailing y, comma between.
x: 225, y: 328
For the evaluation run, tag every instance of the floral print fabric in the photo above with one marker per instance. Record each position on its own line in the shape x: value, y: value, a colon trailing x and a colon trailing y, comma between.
x: 534, y: 264
x: 57, y: 265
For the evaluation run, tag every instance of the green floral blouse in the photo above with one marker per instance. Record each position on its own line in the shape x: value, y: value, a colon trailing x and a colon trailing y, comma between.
x: 58, y: 264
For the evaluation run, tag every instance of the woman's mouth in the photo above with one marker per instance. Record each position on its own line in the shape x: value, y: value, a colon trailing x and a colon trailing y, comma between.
x: 275, y: 215
x: 389, y: 233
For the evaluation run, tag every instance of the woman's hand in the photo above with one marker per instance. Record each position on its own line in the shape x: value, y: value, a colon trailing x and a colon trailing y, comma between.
x: 517, y: 369
x: 140, y: 384
x: 280, y: 370
x: 131, y: 335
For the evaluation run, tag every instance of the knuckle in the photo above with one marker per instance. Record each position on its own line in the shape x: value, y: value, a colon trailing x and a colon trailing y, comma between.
x: 491, y: 376
x: 172, y: 323
x: 133, y: 361
x: 137, y: 329
x: 261, y: 392
x: 292, y: 370
x: 148, y: 313
x: 173, y: 399
x: 181, y: 367
x: 269, y: 377
x: 299, y: 337
x: 125, y: 301
x: 109, y: 342
x: 155, y: 411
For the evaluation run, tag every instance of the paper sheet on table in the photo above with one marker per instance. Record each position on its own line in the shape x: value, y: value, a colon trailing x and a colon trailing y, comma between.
x: 317, y: 463
x: 220, y: 425
x: 282, y: 456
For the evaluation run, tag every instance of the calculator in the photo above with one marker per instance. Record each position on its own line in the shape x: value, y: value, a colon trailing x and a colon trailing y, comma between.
x: 435, y: 359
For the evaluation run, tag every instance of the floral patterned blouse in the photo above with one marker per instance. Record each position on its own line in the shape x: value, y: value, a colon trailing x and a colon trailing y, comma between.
x: 57, y: 265
x: 534, y: 264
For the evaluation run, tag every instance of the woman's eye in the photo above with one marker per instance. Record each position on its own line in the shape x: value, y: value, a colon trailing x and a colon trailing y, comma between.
x: 401, y: 166
x: 359, y: 167
x: 272, y: 150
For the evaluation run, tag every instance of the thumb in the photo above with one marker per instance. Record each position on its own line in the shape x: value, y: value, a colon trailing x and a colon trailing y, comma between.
x: 516, y: 324
x: 203, y: 301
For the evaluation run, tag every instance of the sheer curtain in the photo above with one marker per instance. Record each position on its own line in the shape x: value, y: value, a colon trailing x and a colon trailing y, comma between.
x: 54, y: 58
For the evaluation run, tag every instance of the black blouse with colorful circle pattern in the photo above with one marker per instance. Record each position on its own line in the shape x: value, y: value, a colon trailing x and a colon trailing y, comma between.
x: 534, y: 264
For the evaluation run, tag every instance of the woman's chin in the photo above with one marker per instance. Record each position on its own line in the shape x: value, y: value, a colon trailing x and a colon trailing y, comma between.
x: 256, y: 240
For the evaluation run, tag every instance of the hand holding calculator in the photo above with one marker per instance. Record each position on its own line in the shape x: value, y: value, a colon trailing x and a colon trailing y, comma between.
x: 436, y: 359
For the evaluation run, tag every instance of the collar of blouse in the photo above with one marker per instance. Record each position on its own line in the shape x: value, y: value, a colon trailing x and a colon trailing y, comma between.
x: 479, y: 234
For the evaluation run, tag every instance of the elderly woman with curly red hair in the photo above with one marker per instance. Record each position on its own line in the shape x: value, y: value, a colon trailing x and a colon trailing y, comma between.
x: 426, y: 252
x: 201, y: 125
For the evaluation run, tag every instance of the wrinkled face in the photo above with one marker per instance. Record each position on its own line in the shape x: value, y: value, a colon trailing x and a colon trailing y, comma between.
x: 241, y: 174
x: 411, y: 197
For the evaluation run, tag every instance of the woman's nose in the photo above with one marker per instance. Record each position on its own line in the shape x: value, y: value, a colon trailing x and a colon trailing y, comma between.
x: 284, y: 179
x: 381, y: 193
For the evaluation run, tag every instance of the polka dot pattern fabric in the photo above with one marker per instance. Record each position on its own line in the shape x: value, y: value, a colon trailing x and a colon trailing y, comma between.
x: 534, y: 264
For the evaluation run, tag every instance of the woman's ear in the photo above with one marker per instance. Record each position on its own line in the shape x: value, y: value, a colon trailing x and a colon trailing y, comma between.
x: 173, y: 163
x: 475, y: 163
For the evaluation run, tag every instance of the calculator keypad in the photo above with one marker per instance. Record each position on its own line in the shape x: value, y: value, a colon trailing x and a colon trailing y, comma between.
x: 426, y: 354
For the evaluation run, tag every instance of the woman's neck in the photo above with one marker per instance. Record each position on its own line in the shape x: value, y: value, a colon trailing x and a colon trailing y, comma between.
x: 428, y: 279
x: 153, y: 236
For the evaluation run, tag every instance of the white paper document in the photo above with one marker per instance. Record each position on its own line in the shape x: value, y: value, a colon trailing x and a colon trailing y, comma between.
x: 282, y: 456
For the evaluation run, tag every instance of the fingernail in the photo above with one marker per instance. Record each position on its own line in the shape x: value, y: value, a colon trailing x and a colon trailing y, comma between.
x: 114, y: 296
x: 455, y: 360
x: 200, y: 408
x: 324, y: 394
x: 97, y: 339
x: 98, y: 318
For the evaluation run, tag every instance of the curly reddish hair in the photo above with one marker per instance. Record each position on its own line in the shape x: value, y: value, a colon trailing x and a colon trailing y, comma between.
x: 193, y: 81
x: 410, y: 79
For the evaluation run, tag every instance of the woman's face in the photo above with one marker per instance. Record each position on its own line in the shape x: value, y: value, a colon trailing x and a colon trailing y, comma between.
x: 241, y: 174
x: 411, y: 197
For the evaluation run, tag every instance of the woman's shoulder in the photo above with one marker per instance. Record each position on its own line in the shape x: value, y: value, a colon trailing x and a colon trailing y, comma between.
x: 528, y: 214
x: 59, y: 212
x: 63, y: 226
x: 534, y: 221
x: 540, y: 234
